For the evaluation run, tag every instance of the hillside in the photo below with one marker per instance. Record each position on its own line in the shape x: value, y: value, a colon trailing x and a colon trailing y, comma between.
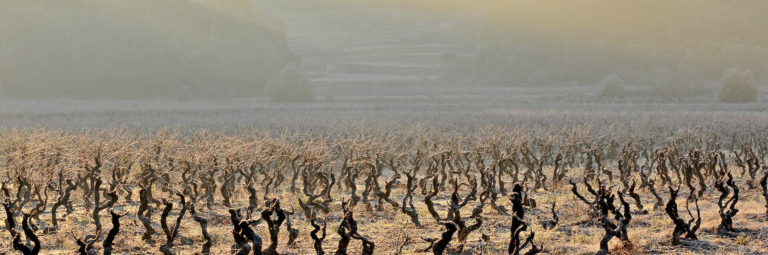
x: 661, y: 49
x: 138, y: 48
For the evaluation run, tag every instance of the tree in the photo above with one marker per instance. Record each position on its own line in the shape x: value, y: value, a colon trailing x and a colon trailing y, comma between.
x: 290, y: 85
x: 738, y: 86
x: 612, y: 86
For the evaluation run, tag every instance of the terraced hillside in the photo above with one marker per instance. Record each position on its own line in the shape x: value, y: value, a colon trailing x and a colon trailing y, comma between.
x: 391, y: 48
x: 348, y: 50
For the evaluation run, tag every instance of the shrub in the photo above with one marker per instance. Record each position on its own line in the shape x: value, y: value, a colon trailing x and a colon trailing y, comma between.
x: 613, y: 86
x: 290, y: 85
x: 738, y: 86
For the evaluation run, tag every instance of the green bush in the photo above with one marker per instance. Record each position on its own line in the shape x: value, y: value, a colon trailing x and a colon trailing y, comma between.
x: 738, y: 86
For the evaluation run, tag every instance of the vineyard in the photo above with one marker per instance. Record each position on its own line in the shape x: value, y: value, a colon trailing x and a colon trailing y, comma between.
x: 489, y: 191
x: 396, y: 127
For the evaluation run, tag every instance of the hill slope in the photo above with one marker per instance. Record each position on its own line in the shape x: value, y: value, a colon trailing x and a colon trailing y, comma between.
x: 138, y: 48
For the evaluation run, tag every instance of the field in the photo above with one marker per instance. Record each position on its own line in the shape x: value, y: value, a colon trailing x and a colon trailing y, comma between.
x: 393, y: 172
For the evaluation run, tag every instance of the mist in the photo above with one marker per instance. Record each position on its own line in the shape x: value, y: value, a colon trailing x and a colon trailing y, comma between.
x: 127, y: 49
x: 97, y: 59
